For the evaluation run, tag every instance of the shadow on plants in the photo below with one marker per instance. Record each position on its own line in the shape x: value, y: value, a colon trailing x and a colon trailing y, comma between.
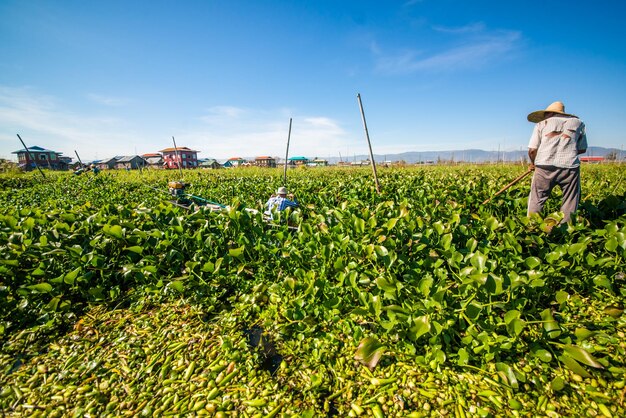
x: 270, y: 358
x: 608, y: 209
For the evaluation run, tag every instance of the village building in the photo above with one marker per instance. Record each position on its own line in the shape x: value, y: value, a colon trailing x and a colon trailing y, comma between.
x: 234, y: 162
x: 122, y: 162
x: 209, y: 163
x: 107, y: 163
x: 181, y: 156
x: 130, y: 162
x: 265, y: 161
x: 318, y: 162
x: 153, y: 160
x: 44, y: 158
x: 591, y: 159
x: 298, y: 161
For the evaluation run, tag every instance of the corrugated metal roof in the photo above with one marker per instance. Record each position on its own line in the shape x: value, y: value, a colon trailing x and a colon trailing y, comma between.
x: 34, y: 149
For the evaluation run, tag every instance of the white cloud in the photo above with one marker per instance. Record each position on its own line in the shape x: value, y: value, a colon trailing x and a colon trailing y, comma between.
x: 264, y: 132
x: 108, y: 100
x: 476, y: 49
x: 220, y: 131
x: 42, y: 120
x: 470, y: 28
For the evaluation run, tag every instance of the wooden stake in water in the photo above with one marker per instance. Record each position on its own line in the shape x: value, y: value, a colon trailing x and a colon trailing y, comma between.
x: 31, y: 156
x: 369, y: 144
x: 287, y: 155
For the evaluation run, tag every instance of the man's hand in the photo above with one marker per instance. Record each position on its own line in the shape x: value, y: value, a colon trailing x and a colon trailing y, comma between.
x: 531, y: 167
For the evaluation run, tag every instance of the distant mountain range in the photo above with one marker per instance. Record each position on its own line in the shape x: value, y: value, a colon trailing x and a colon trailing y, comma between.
x: 468, y: 155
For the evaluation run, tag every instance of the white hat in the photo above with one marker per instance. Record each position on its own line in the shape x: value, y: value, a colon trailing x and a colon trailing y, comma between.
x: 281, y: 190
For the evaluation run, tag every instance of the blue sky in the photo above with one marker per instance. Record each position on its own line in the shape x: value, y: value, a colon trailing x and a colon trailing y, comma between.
x: 224, y: 77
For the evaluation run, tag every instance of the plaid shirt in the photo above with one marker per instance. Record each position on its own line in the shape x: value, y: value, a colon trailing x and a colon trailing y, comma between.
x: 280, y: 203
x: 558, y: 140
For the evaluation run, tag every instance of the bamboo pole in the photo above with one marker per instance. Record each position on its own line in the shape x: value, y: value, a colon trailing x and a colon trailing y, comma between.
x: 81, y: 163
x: 287, y: 155
x: 31, y: 156
x: 508, y: 186
x: 177, y: 158
x: 369, y: 144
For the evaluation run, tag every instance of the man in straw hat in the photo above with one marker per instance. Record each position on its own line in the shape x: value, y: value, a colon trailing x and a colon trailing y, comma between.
x: 279, y: 201
x: 557, y: 140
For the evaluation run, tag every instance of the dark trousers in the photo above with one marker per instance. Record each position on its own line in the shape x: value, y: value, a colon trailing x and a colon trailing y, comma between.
x: 544, y: 180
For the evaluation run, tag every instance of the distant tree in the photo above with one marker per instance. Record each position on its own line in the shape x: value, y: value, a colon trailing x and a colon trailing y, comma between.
x: 611, y: 156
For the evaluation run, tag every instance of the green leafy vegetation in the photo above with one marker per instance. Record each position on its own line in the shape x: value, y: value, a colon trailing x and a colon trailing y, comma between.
x: 416, y: 302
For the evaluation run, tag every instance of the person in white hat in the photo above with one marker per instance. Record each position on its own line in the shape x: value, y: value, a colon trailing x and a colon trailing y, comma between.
x: 280, y: 201
x: 557, y: 140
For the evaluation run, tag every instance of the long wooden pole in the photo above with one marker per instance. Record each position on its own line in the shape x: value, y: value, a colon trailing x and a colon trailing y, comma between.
x: 177, y: 157
x: 508, y: 186
x: 31, y: 156
x: 287, y: 155
x: 81, y: 163
x: 369, y: 144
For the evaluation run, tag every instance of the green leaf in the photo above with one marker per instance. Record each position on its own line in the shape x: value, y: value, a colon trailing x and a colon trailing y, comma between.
x: 551, y: 327
x: 473, y: 310
x: 583, y: 333
x: 463, y: 357
x: 71, y: 276
x: 508, y: 372
x: 578, y: 248
x: 425, y: 284
x: 557, y: 384
x: 532, y: 262
x: 611, y: 244
x: 41, y: 287
x: 369, y: 352
x: 561, y: 297
x: 177, y: 285
x: 543, y: 355
x: 516, y: 327
x: 581, y: 355
x: 96, y: 292
x: 492, y: 223
x: 574, y: 366
x: 135, y: 249
x: 359, y: 225
x: 236, y: 252
x: 509, y: 316
x: 53, y: 304
x: 114, y: 231
x: 478, y: 260
x: 446, y: 240
x: 613, y: 311
x: 385, y: 285
x: 602, y: 281
x: 421, y: 325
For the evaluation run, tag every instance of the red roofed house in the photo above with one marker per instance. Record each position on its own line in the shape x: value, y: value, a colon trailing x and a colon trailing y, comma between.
x: 187, y: 158
x: 265, y: 161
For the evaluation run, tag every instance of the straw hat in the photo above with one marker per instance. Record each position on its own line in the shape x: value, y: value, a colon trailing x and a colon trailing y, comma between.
x: 281, y: 190
x: 556, y: 107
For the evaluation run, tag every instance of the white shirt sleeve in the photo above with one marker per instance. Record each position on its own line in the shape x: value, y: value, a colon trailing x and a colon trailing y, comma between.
x: 535, y: 138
